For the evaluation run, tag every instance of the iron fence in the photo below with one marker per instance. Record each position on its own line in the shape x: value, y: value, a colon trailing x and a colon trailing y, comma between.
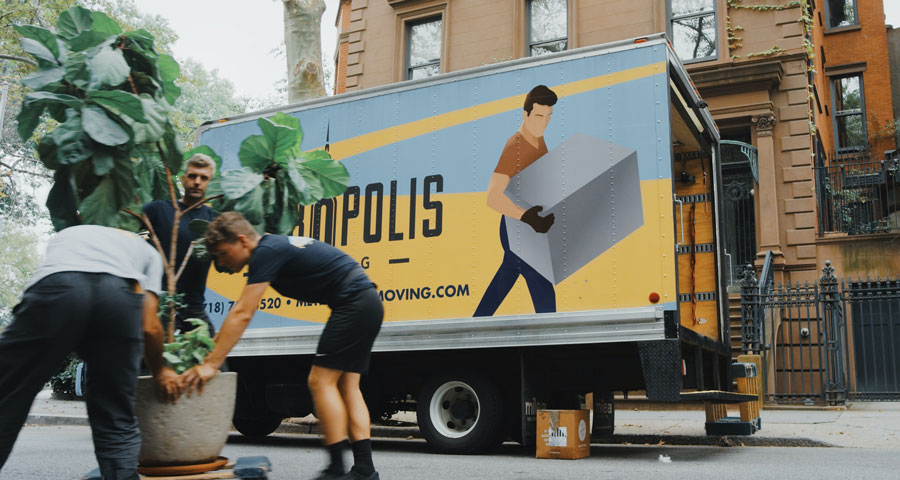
x: 858, y: 195
x: 825, y: 342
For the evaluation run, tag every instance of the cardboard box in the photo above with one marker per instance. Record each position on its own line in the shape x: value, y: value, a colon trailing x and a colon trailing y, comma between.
x: 594, y: 190
x: 563, y: 434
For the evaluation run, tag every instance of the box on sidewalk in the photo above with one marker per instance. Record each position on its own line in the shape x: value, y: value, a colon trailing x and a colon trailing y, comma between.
x: 563, y: 434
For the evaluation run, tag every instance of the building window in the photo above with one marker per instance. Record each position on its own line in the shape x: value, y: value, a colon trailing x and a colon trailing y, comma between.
x: 423, y: 48
x: 849, y: 114
x: 841, y: 13
x: 693, y: 29
x: 548, y: 26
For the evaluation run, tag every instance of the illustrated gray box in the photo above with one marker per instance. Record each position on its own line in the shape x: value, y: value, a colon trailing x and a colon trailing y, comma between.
x: 593, y: 188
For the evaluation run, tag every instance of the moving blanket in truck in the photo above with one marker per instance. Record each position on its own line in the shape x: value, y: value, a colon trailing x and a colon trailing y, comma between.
x: 421, y: 155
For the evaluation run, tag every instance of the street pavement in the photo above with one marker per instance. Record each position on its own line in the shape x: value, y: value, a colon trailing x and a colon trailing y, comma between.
x: 873, y: 425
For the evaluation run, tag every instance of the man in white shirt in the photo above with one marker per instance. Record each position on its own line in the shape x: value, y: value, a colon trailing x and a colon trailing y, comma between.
x: 96, y: 294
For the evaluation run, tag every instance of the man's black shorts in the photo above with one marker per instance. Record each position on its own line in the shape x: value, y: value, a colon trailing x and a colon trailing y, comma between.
x: 346, y: 341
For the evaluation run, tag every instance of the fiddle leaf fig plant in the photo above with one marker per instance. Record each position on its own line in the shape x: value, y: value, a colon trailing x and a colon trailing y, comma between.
x: 277, y: 176
x: 114, y: 147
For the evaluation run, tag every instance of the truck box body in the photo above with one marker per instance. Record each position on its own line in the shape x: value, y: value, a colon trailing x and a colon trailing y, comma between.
x: 420, y: 156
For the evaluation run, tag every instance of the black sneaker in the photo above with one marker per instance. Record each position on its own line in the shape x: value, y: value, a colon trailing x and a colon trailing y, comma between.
x: 355, y: 475
x: 328, y: 475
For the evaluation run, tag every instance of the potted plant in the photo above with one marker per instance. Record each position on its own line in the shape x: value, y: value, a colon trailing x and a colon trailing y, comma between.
x: 115, y: 149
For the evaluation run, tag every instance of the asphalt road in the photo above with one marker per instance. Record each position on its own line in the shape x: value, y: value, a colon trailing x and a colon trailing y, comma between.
x: 66, y: 452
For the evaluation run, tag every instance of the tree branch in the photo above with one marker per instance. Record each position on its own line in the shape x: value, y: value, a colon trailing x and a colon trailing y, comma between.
x: 146, y: 221
x: 26, y: 172
x: 15, y: 58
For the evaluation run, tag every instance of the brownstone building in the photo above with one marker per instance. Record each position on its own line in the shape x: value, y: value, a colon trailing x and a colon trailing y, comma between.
x: 805, y: 83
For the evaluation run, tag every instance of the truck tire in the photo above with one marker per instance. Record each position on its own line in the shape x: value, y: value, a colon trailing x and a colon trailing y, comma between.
x: 460, y: 413
x: 251, y: 415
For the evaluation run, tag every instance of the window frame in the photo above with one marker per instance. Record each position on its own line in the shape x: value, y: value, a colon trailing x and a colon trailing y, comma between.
x: 853, y: 25
x: 671, y: 30
x: 835, y: 115
x: 529, y: 45
x: 408, y: 26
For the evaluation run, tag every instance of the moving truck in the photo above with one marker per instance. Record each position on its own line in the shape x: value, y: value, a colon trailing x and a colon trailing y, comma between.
x: 488, y: 320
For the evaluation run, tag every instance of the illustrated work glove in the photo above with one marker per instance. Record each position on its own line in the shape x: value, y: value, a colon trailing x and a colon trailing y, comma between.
x: 538, y: 223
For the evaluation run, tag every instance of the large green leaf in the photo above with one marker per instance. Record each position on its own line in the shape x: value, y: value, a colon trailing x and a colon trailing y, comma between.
x: 251, y: 206
x: 172, y: 92
x: 255, y: 153
x: 103, y: 129
x: 43, y: 54
x: 103, y: 160
x: 47, y: 153
x: 237, y: 182
x: 168, y: 68
x: 314, y: 191
x: 42, y: 78
x: 171, y: 146
x: 48, y: 98
x: 150, y: 176
x: 107, y: 67
x: 73, y: 146
x: 285, y: 217
x: 74, y: 21
x: 288, y: 121
x: 119, y: 103
x: 29, y: 118
x: 332, y: 175
x: 122, y: 175
x: 88, y: 39
x: 77, y: 72
x: 101, y: 207
x: 299, y: 190
x: 156, y: 118
x: 41, y: 35
x: 103, y: 24
x: 62, y: 203
x: 280, y: 139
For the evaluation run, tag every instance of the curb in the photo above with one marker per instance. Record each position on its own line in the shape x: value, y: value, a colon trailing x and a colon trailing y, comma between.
x: 41, y: 419
x: 412, y: 432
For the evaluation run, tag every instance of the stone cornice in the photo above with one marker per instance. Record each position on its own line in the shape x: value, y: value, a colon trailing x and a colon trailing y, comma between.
x: 730, y: 78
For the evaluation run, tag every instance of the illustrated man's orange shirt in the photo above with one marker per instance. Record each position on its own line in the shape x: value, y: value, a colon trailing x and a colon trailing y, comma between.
x: 518, y: 154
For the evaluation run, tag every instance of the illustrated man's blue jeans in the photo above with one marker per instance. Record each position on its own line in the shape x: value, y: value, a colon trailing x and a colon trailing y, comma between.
x: 543, y: 296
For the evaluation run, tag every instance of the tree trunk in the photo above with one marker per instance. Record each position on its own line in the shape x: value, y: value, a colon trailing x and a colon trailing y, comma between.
x: 303, y: 45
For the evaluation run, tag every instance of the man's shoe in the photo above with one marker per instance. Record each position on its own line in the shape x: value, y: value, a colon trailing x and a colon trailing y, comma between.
x: 355, y: 475
x: 327, y: 475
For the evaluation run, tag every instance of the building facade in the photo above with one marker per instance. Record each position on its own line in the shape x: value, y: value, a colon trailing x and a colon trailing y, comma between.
x: 806, y: 83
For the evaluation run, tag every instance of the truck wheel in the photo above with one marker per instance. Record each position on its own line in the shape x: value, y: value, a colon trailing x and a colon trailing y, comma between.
x: 461, y: 413
x: 258, y: 426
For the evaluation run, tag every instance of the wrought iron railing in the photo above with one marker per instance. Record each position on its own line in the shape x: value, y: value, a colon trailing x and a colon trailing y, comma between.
x: 858, y: 195
x: 826, y: 342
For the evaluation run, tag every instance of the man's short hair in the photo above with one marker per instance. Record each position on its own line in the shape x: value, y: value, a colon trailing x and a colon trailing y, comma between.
x: 200, y: 160
x: 540, y: 95
x: 226, y: 228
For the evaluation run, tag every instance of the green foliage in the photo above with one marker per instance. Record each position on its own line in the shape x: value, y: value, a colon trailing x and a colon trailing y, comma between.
x: 277, y: 176
x: 63, y: 383
x: 19, y: 258
x: 167, y: 302
x: 112, y: 92
x: 189, y: 348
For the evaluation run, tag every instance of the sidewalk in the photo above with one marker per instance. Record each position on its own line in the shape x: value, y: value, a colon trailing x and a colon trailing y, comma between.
x: 860, y: 425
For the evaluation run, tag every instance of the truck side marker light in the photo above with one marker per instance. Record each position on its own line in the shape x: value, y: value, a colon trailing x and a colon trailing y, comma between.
x: 654, y: 297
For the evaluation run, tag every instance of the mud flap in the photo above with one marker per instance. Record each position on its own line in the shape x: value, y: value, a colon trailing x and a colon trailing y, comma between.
x: 661, y: 364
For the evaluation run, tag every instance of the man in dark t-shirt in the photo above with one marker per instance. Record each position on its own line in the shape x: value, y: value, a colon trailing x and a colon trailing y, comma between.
x: 312, y: 271
x: 521, y: 150
x: 198, y: 171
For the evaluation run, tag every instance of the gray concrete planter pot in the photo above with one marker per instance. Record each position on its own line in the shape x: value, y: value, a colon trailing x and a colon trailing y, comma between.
x: 192, y: 431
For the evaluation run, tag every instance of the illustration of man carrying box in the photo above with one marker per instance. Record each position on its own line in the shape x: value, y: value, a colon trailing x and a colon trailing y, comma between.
x: 521, y: 150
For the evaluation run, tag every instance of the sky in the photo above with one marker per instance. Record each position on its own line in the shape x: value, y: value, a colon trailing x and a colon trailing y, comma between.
x: 236, y: 37
x: 892, y: 12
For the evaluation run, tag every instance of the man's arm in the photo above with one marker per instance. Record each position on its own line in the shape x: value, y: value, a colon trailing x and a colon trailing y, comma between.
x: 498, y: 200
x: 168, y: 382
x: 232, y: 329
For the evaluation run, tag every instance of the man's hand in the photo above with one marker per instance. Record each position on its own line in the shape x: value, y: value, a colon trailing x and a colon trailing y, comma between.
x: 538, y: 223
x: 197, y: 377
x: 168, y: 384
